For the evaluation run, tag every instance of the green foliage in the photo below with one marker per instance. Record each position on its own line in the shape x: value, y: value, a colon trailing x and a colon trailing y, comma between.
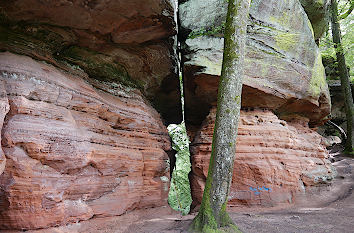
x: 331, y: 67
x: 179, y: 196
x: 327, y: 46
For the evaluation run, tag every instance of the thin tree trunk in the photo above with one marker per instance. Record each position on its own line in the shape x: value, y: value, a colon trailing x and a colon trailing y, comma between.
x: 212, y: 215
x: 344, y: 77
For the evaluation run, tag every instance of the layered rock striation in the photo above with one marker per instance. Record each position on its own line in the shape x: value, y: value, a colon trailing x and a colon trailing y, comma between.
x: 284, y: 92
x: 275, y: 159
x: 126, y: 42
x: 80, y: 136
x: 73, y: 151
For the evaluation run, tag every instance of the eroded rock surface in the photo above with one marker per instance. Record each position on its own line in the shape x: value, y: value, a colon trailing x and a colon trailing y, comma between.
x: 278, y: 155
x: 283, y: 68
x: 275, y: 159
x: 126, y: 42
x: 132, y: 21
x: 81, y: 138
x: 73, y: 151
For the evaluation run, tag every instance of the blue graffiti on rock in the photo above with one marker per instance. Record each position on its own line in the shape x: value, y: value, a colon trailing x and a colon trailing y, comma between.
x: 258, y: 190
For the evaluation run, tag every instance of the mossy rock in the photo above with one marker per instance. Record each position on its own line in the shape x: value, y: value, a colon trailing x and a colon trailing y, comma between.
x: 55, y: 45
x: 283, y: 68
x: 317, y: 12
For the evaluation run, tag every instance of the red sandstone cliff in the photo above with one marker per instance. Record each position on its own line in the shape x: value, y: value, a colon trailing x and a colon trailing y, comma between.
x: 73, y: 151
x: 275, y: 159
x: 82, y: 138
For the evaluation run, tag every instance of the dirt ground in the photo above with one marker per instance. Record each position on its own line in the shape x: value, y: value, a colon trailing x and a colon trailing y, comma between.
x: 325, y: 209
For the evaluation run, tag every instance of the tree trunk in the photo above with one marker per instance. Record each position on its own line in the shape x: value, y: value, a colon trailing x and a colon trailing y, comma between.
x: 212, y: 216
x: 344, y: 77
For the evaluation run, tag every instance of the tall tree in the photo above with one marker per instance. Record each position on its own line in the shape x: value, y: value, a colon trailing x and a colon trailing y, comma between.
x: 344, y: 77
x: 212, y: 216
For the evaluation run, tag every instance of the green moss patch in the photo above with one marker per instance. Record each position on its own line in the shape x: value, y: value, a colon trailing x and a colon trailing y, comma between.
x: 286, y: 41
x: 318, y: 79
x: 96, y: 65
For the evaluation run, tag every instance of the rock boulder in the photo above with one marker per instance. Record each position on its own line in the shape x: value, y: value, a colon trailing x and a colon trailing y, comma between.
x: 283, y: 68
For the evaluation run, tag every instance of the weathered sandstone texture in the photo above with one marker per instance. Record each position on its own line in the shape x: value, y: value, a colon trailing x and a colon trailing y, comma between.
x: 275, y: 159
x: 133, y: 21
x: 127, y: 42
x: 78, y: 130
x: 283, y: 67
x: 73, y: 151
x: 284, y: 76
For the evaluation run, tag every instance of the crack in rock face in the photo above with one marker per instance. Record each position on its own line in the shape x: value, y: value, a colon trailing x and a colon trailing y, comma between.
x: 81, y: 107
x: 4, y: 109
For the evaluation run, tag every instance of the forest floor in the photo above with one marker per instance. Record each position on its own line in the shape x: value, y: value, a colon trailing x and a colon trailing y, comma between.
x: 328, y: 209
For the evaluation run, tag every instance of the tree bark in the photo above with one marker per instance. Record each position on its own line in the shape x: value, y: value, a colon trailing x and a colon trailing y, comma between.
x: 344, y: 77
x: 212, y: 215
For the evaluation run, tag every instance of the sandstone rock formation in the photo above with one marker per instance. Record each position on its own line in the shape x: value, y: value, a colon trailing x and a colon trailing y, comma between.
x: 127, y: 22
x: 79, y: 126
x: 283, y: 68
x: 127, y: 42
x: 284, y: 75
x: 275, y: 159
x: 74, y: 152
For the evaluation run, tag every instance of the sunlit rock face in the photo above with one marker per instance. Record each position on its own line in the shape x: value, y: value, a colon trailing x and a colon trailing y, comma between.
x: 278, y: 155
x: 73, y: 151
x: 275, y: 159
x: 283, y: 67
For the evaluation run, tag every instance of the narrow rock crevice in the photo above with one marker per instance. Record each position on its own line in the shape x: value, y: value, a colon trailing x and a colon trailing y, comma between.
x: 4, y: 110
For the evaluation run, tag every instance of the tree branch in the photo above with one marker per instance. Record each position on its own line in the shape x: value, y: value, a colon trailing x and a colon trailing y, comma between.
x: 346, y: 14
